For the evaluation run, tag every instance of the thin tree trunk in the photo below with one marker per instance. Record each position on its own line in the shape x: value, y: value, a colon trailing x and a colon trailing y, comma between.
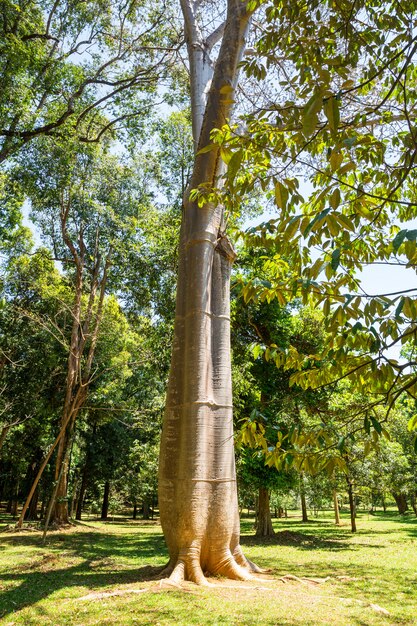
x: 304, y: 515
x: 264, y: 526
x: 41, y: 469
x: 32, y: 512
x: 81, y: 495
x: 146, y: 510
x: 105, y: 505
x: 336, y: 508
x: 60, y: 513
x: 78, y: 380
x: 352, y: 507
x: 3, y: 435
x: 197, y: 479
x: 135, y: 510
x: 15, y: 501
x: 414, y: 502
x: 74, y: 500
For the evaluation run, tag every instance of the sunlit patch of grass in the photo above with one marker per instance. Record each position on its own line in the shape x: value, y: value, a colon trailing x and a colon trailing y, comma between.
x: 46, y: 584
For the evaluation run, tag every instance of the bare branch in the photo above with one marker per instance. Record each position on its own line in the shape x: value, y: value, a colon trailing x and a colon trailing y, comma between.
x: 215, y: 36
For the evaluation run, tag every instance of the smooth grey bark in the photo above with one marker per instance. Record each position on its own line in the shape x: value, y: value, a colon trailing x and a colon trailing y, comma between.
x: 197, y: 479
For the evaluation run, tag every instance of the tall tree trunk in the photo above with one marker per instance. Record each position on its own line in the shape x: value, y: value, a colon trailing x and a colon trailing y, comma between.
x: 264, y: 522
x: 60, y: 514
x: 401, y: 502
x: 336, y: 508
x: 352, y: 507
x: 304, y: 515
x: 197, y: 479
x: 74, y: 500
x: 13, y: 507
x: 135, y: 510
x: 105, y: 505
x: 3, y: 435
x: 146, y: 509
x: 414, y: 502
x: 81, y: 495
x: 32, y: 512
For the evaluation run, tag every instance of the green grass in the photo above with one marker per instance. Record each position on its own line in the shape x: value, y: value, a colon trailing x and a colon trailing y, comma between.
x: 45, y: 584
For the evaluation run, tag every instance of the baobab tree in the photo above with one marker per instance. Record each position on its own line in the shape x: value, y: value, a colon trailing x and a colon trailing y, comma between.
x: 197, y: 480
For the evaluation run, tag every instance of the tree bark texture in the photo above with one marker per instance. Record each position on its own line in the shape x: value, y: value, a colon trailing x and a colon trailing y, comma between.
x: 146, y: 507
x: 304, y: 515
x: 401, y: 502
x: 414, y: 502
x: 32, y: 512
x: 264, y: 522
x: 3, y: 435
x: 105, y: 505
x: 197, y: 478
x: 352, y: 506
x: 336, y: 508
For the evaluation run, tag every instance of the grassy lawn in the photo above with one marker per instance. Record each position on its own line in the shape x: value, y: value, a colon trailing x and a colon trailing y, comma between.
x: 106, y: 573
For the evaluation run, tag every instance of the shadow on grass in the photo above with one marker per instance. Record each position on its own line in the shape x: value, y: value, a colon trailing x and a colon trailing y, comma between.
x: 35, y: 586
x: 105, y: 562
x: 297, y: 539
x: 93, y: 546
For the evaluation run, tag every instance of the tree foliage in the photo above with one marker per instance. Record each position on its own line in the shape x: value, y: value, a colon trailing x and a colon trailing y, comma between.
x: 332, y: 145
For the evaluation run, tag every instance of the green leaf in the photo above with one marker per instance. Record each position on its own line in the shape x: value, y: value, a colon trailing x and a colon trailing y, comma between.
x: 376, y: 425
x: 292, y: 227
x: 234, y: 164
x: 335, y: 259
x: 411, y: 235
x: 314, y: 221
x: 281, y: 195
x: 412, y: 424
x: 331, y: 110
x: 335, y: 198
x: 399, y: 308
x: 399, y: 238
x: 310, y: 113
x: 209, y: 148
x: 349, y: 142
x: 341, y: 443
x: 336, y: 159
x: 225, y: 154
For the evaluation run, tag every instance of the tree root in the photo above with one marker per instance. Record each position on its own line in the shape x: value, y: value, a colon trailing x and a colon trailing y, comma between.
x: 188, y: 567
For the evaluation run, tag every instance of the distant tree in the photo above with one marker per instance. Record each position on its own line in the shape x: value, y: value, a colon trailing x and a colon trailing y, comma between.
x: 76, y: 69
x: 89, y: 208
